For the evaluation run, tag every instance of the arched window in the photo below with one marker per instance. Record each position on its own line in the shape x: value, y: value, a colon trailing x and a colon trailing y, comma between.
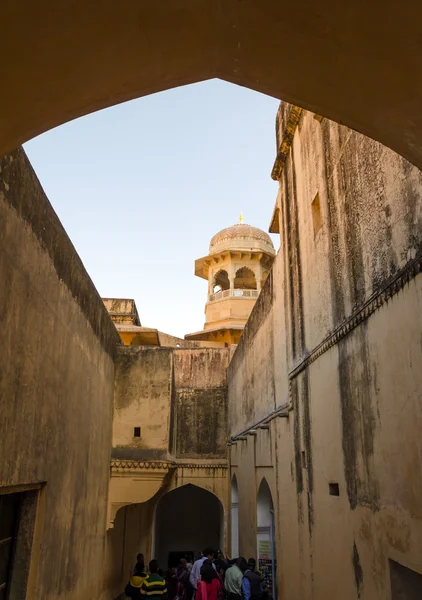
x: 235, y: 518
x: 245, y: 279
x: 266, y: 550
x: 221, y: 281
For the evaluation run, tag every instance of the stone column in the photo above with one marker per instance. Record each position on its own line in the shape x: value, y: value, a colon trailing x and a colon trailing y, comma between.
x: 210, y: 283
x: 232, y: 275
x: 258, y: 276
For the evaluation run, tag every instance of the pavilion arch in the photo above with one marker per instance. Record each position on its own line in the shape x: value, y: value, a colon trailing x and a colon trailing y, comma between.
x: 187, y: 519
x: 90, y: 55
x: 266, y: 544
x: 234, y: 518
x: 221, y: 281
x: 245, y: 279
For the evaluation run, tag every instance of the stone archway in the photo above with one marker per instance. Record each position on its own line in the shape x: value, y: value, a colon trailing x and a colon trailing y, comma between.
x: 356, y: 63
x: 187, y: 519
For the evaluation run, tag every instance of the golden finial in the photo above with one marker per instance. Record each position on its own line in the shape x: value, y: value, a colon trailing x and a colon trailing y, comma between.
x: 240, y: 218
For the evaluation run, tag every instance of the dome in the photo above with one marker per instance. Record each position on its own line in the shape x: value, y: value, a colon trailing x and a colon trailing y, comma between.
x: 241, y: 236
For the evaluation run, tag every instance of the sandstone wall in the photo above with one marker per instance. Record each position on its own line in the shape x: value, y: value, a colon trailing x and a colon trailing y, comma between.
x: 178, y: 398
x: 347, y: 282
x: 56, y: 388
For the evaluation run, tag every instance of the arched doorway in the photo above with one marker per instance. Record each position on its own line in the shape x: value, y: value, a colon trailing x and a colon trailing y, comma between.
x: 266, y: 550
x: 234, y: 519
x: 187, y: 520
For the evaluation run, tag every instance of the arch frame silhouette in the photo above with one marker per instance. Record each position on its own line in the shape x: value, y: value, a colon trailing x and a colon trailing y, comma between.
x: 66, y: 60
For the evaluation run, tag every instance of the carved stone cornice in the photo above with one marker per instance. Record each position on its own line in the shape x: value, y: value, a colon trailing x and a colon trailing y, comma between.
x: 203, y: 466
x: 376, y: 301
x: 117, y: 463
x: 288, y: 135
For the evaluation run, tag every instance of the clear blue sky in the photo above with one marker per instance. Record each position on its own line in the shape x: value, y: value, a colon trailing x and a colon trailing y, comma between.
x: 143, y: 186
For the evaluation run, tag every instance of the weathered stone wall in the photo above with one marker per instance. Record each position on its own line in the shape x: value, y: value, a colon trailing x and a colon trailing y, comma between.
x: 200, y: 403
x: 177, y: 396
x: 347, y: 280
x: 56, y: 387
x: 143, y: 391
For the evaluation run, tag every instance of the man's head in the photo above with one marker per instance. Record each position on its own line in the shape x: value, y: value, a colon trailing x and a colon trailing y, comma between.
x: 208, y: 553
x: 153, y: 566
x: 242, y: 564
x: 140, y: 558
x: 252, y: 564
x: 183, y: 562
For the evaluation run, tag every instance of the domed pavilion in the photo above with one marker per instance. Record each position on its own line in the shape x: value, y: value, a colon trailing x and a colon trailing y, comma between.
x: 239, y: 260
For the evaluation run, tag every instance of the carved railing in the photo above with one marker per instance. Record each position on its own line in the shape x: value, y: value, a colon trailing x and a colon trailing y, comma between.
x: 233, y: 294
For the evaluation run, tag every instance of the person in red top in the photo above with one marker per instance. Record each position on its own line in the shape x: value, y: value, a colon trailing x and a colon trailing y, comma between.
x: 209, y: 586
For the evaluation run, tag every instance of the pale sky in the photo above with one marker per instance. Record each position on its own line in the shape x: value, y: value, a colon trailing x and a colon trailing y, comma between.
x: 142, y: 187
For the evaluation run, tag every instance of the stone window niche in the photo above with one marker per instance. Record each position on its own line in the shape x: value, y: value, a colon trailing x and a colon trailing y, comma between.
x: 316, y: 215
x: 334, y: 489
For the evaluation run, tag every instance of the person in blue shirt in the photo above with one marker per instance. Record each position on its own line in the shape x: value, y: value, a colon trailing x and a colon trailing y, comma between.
x: 251, y: 582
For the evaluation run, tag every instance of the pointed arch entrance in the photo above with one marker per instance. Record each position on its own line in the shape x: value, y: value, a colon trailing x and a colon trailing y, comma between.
x: 266, y: 549
x: 187, y: 520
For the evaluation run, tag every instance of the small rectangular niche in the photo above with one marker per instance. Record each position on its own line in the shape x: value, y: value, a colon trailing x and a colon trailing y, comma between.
x: 334, y: 489
x: 136, y: 432
x: 316, y: 214
x: 405, y: 583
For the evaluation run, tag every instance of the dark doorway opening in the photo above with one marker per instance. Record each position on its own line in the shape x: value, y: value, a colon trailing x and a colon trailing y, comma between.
x: 17, y: 524
x: 187, y: 517
x: 174, y: 558
x: 10, y: 506
x: 406, y: 584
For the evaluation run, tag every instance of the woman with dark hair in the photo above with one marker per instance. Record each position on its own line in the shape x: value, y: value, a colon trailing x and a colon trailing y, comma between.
x: 209, y: 586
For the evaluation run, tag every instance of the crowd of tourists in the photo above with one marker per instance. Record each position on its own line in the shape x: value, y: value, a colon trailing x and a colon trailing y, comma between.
x: 211, y: 577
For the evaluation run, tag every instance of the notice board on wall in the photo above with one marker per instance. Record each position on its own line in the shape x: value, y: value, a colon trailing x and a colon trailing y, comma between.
x: 265, y: 564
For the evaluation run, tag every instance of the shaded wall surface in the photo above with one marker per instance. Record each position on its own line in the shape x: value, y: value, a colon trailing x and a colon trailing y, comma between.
x: 333, y: 348
x: 56, y: 387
